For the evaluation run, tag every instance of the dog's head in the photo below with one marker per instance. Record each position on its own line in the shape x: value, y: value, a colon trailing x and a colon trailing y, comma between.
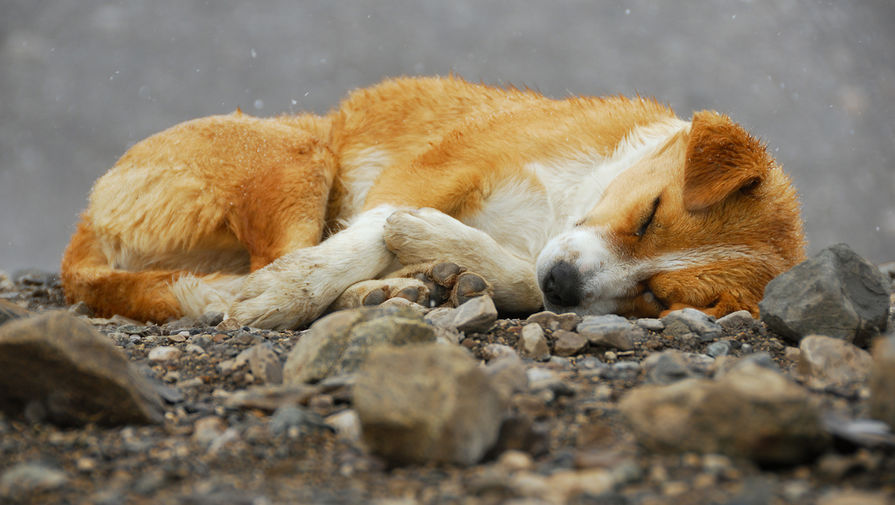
x: 704, y: 221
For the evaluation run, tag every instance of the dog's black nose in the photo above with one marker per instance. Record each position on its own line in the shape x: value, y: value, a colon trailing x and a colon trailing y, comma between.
x: 561, y: 285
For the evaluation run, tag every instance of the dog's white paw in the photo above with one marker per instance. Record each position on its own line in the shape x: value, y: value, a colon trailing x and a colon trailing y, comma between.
x: 281, y: 299
x: 422, y: 235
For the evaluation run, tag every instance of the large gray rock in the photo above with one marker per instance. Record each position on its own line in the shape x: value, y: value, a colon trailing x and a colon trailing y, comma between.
x: 882, y: 381
x: 836, y: 293
x: 751, y: 412
x: 57, y: 367
x: 339, y: 343
x: 427, y: 404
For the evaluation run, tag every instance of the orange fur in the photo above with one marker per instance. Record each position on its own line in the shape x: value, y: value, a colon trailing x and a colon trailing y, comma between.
x: 232, y: 195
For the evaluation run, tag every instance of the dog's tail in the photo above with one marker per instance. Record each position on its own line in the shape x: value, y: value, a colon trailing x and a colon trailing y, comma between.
x: 145, y: 295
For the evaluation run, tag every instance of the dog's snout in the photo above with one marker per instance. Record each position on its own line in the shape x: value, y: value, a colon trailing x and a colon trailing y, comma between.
x: 561, y: 286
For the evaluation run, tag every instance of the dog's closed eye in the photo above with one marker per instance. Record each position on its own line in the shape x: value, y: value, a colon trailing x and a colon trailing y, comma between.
x: 648, y: 220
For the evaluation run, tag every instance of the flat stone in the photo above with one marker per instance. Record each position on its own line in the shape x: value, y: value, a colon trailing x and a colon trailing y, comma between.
x: 836, y: 293
x: 19, y: 481
x: 338, y: 343
x: 651, y: 324
x: 263, y: 363
x: 346, y: 423
x: 83, y: 377
x: 207, y: 429
x: 691, y: 322
x: 882, y: 381
x: 826, y: 360
x: 552, y: 321
x: 498, y: 351
x: 507, y: 376
x: 427, y: 404
x: 10, y: 311
x: 270, y: 398
x: 476, y: 315
x: 667, y: 367
x: 855, y: 497
x: 532, y: 343
x: 610, y: 331
x: 750, y: 412
x: 164, y: 353
x: 297, y: 420
x: 717, y: 349
x: 568, y: 343
x: 738, y: 321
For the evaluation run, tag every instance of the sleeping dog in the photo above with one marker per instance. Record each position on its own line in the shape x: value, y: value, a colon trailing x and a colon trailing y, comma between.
x: 436, y: 189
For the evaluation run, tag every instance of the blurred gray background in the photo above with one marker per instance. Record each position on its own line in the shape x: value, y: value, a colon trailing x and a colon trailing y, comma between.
x: 81, y: 81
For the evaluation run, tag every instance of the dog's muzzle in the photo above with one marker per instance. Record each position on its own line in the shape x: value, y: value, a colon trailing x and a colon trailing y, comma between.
x: 562, y: 285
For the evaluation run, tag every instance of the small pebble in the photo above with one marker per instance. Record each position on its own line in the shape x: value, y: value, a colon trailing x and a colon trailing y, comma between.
x: 716, y: 349
x: 164, y: 353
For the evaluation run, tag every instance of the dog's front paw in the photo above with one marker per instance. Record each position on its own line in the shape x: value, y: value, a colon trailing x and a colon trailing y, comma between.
x: 447, y: 283
x: 377, y: 291
x: 268, y: 300
x: 421, y: 235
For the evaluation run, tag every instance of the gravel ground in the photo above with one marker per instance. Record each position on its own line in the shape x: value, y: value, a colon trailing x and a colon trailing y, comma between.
x: 208, y: 451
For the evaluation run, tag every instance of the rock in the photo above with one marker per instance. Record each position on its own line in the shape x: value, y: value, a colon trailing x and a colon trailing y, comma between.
x: 882, y: 381
x: 163, y: 353
x: 10, y: 311
x: 207, y: 429
x: 750, y: 412
x: 35, y: 277
x: 211, y: 319
x: 6, y: 283
x: 716, y: 349
x: 826, y: 360
x: 726, y: 364
x: 691, y: 323
x: 553, y: 321
x: 651, y: 324
x: 339, y: 342
x: 610, y: 331
x: 622, y: 371
x: 270, y: 398
x: 476, y: 315
x: 294, y: 420
x: 887, y: 269
x: 533, y: 343
x: 21, y: 480
x: 868, y: 433
x: 666, y: 367
x: 836, y: 293
x: 81, y: 309
x: 427, y: 403
x: 83, y: 377
x: 738, y: 321
x: 264, y: 363
x: 346, y: 423
x: 493, y: 352
x: 854, y: 497
x: 568, y: 343
x: 507, y: 376
x: 230, y: 324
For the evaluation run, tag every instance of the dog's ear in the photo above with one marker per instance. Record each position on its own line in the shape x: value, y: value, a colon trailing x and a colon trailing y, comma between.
x: 721, y: 158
